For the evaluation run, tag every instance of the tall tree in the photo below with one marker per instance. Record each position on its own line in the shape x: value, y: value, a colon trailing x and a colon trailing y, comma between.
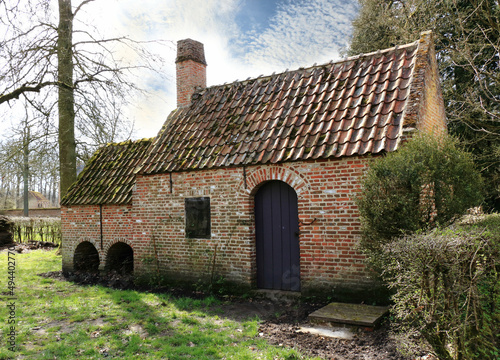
x: 467, y: 37
x: 37, y: 57
x: 66, y: 103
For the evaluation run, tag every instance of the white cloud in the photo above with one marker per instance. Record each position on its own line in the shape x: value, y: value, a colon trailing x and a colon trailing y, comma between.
x: 209, y: 21
x: 302, y: 33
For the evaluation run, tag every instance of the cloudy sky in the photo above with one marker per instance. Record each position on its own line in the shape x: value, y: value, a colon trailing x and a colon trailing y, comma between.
x: 242, y: 38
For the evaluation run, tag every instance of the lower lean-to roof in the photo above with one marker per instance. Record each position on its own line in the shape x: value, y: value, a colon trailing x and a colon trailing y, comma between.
x: 109, y: 176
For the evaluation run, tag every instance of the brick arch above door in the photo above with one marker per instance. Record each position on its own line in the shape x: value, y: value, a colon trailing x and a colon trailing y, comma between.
x: 257, y: 176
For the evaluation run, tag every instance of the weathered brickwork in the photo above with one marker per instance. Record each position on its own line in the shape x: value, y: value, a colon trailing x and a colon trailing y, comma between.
x: 83, y: 223
x: 433, y: 117
x: 329, y: 224
x: 155, y: 223
x: 190, y: 75
x: 425, y: 109
x: 191, y: 70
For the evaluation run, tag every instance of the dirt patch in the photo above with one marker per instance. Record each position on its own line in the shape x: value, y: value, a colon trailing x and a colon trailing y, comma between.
x: 280, y: 324
x: 136, y: 329
x: 364, y: 345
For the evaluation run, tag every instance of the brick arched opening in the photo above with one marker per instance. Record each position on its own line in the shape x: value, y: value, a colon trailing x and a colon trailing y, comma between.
x: 255, y: 178
x: 86, y: 258
x: 120, y: 258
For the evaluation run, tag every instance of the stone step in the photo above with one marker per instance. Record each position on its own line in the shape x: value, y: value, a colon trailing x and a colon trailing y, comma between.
x: 355, y: 315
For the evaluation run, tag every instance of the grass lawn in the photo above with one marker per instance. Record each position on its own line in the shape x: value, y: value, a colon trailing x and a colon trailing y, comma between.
x: 60, y: 320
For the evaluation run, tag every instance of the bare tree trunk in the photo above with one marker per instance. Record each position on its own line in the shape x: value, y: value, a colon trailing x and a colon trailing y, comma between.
x: 6, y: 198
x: 52, y: 191
x: 67, y: 146
x: 18, y: 190
x: 26, y: 171
x: 55, y: 195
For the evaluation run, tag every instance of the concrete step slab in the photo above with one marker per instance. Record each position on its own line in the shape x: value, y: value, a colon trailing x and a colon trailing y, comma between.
x: 357, y: 315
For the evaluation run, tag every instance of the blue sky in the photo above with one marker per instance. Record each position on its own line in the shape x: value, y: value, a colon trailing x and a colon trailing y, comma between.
x: 242, y: 38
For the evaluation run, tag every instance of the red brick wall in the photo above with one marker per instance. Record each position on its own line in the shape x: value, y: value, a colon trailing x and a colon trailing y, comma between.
x: 83, y: 223
x: 425, y: 107
x: 433, y: 116
x: 325, y: 192
x: 190, y: 74
x: 162, y: 224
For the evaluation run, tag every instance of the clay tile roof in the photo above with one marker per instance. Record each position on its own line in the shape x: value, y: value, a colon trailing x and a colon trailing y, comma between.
x: 36, y: 195
x: 352, y: 107
x: 109, y: 176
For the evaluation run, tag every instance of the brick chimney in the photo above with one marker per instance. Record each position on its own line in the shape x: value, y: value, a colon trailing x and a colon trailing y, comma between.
x: 191, y: 70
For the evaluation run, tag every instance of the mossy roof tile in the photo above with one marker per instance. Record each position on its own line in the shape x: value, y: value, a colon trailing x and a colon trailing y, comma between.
x: 338, y: 109
x: 352, y: 107
x: 109, y: 176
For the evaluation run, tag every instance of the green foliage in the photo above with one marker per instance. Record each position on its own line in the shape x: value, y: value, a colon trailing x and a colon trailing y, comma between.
x: 447, y: 287
x: 372, y: 28
x: 467, y: 39
x: 427, y: 182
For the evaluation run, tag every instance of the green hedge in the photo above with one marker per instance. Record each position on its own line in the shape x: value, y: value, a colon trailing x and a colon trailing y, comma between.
x: 447, y: 287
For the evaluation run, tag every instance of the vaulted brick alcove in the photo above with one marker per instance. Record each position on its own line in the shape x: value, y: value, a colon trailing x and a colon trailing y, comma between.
x: 120, y: 258
x: 86, y: 258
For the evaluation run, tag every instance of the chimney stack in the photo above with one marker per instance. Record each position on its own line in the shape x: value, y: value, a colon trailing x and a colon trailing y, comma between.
x: 191, y: 70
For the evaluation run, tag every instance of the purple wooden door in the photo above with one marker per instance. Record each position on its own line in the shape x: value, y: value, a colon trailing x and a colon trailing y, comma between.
x: 277, y: 237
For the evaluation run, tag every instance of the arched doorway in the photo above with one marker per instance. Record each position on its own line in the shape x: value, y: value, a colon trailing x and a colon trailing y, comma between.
x: 120, y: 258
x: 277, y: 237
x: 86, y: 258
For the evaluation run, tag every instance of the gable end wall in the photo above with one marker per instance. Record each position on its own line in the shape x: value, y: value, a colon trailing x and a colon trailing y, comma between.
x: 425, y: 109
x: 432, y: 117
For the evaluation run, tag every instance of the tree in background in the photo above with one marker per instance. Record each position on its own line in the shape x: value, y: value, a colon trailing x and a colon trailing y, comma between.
x: 28, y: 161
x: 38, y: 57
x: 467, y: 38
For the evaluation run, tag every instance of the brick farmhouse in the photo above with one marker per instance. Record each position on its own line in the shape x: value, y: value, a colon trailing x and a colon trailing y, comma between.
x: 253, y: 181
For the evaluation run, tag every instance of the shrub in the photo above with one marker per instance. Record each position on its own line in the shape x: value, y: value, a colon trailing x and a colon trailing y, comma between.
x: 427, y: 182
x: 447, y: 287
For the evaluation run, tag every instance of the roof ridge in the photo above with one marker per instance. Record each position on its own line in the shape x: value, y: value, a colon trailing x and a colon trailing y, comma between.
x: 127, y: 142
x: 314, y: 66
x: 394, y: 48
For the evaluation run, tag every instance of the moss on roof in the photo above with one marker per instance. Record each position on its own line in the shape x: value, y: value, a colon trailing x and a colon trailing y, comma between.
x: 109, y: 176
